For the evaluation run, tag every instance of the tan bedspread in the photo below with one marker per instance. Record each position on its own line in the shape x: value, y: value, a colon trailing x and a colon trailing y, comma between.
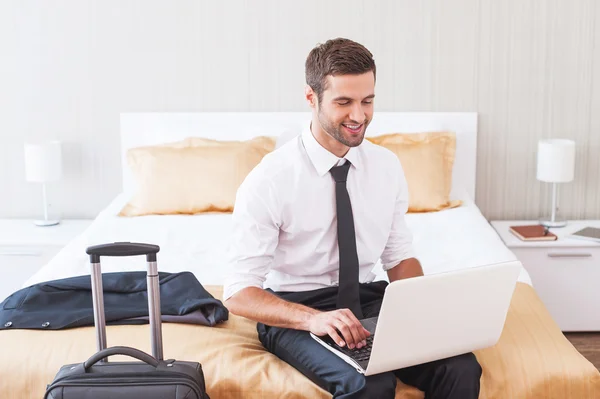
x: 532, y: 359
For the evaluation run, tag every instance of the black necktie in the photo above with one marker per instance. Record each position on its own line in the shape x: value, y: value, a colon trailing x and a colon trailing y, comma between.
x: 348, y: 294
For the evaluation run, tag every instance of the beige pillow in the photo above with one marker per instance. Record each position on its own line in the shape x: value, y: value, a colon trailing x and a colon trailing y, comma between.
x: 192, y: 176
x: 427, y: 159
x: 264, y: 142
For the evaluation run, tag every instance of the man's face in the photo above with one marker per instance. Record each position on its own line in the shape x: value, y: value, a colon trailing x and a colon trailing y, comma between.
x: 347, y: 107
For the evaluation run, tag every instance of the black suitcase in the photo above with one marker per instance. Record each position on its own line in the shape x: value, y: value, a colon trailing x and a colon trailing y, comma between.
x: 151, y: 378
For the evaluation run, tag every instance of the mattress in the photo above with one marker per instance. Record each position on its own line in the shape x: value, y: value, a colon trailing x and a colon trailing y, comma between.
x: 532, y: 359
x: 449, y: 240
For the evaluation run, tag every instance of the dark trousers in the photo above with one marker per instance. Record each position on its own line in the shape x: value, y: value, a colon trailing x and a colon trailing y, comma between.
x: 452, y: 378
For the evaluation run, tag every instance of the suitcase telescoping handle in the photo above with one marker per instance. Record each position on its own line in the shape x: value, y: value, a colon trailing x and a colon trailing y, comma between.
x: 123, y: 249
x: 127, y: 249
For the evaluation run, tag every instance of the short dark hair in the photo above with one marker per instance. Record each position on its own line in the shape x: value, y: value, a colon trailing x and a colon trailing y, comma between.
x: 336, y: 57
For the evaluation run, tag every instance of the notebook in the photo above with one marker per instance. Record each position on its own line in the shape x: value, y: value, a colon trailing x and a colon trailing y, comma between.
x: 588, y: 233
x: 533, y: 233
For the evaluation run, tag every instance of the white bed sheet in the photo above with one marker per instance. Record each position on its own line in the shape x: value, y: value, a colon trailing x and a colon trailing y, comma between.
x: 448, y: 240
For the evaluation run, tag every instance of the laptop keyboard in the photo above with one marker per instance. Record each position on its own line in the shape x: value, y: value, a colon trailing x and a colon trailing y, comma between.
x: 361, y: 354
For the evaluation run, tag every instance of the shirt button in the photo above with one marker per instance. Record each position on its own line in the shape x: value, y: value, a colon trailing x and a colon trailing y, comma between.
x: 8, y: 324
x: 46, y: 324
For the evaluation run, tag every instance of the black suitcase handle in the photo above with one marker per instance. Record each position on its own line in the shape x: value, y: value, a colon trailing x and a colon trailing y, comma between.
x: 123, y: 249
x: 120, y: 350
x: 126, y: 249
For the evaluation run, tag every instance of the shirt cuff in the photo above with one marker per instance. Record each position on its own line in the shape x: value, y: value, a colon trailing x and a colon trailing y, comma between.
x: 233, y: 287
x: 396, y: 260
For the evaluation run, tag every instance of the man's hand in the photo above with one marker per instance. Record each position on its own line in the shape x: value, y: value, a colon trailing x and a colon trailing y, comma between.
x: 343, y: 321
x: 262, y: 306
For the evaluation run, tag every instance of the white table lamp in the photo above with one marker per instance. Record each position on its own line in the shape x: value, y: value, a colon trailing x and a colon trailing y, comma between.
x: 43, y: 164
x: 555, y: 164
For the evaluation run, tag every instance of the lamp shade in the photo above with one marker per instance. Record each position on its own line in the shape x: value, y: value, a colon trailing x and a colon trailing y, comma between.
x: 43, y: 162
x: 556, y: 160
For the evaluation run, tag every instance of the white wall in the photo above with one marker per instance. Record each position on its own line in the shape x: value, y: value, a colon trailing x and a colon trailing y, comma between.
x: 68, y: 68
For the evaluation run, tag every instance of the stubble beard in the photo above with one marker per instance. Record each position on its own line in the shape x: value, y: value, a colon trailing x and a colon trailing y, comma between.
x: 337, y: 131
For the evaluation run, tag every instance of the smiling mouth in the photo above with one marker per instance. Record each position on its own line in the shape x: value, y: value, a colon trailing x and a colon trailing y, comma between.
x: 354, y: 129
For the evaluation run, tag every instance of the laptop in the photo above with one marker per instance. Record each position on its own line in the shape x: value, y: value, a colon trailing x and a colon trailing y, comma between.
x: 433, y: 317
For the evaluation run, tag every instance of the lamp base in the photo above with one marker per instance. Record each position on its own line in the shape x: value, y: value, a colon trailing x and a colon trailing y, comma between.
x: 45, y: 223
x: 557, y: 222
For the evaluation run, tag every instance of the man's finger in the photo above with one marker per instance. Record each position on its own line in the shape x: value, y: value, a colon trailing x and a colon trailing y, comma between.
x: 346, y: 333
x: 335, y: 336
x: 364, y: 332
x: 356, y: 330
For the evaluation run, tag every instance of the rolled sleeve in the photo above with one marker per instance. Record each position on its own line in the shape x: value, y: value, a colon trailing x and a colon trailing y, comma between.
x: 255, y: 233
x: 399, y: 245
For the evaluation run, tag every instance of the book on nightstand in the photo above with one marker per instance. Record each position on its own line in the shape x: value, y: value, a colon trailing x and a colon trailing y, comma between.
x: 535, y: 232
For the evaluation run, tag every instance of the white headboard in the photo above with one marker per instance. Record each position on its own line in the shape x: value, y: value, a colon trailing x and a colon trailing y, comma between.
x: 140, y: 129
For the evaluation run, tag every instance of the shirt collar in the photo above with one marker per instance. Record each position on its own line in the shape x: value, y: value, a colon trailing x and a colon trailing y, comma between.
x: 321, y: 158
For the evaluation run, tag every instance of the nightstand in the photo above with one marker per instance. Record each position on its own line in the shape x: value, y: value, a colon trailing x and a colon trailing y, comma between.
x: 565, y: 272
x: 25, y: 248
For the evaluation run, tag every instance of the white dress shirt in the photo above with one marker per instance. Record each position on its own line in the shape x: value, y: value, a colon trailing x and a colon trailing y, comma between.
x: 284, y: 221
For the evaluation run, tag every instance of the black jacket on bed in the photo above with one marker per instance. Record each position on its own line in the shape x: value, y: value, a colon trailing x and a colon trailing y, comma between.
x: 67, y: 303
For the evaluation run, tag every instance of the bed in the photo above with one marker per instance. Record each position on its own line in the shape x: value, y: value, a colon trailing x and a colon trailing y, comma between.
x: 531, y: 360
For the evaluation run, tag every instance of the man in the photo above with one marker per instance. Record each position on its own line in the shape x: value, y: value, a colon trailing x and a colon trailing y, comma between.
x: 316, y: 215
